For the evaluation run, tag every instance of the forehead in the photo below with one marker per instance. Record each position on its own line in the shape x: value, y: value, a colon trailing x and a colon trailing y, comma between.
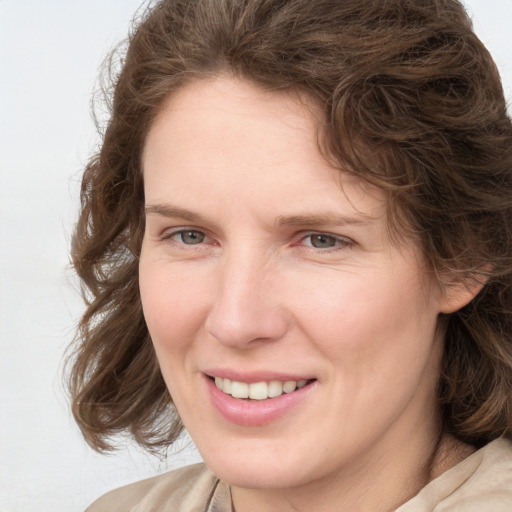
x: 220, y: 133
x: 213, y: 106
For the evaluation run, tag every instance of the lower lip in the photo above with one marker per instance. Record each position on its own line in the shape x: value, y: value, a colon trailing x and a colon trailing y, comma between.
x: 252, y: 413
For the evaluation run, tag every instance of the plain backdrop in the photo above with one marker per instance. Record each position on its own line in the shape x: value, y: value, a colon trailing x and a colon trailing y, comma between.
x: 50, y: 53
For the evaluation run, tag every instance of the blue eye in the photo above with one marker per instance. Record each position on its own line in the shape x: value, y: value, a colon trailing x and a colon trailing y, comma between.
x: 189, y: 236
x: 324, y: 241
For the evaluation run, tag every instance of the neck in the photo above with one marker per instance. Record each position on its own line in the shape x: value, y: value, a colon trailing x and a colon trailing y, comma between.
x: 449, y: 452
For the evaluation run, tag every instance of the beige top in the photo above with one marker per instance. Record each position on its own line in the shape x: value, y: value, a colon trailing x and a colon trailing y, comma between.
x: 480, y: 483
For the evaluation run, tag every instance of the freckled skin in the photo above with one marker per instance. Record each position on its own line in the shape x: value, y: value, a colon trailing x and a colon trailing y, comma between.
x: 233, y: 275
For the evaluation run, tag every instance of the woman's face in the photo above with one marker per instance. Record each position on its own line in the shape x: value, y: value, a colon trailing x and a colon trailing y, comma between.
x: 265, y: 270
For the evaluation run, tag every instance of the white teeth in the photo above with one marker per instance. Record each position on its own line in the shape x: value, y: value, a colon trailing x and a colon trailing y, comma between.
x: 289, y: 386
x: 239, y: 389
x: 258, y: 390
x: 226, y: 386
x: 275, y: 388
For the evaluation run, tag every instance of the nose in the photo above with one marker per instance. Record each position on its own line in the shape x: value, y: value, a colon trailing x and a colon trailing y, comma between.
x: 247, y: 307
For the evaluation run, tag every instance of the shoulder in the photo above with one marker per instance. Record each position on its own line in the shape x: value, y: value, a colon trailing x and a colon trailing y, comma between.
x: 489, y: 487
x: 188, y: 488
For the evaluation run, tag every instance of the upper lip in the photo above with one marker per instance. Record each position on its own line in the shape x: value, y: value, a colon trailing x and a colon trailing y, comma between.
x: 251, y: 377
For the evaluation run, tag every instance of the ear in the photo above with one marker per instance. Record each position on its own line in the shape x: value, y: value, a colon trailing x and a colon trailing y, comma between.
x: 460, y: 291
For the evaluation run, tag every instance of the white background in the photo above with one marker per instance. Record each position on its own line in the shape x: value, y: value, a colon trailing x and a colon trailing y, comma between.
x: 50, y: 52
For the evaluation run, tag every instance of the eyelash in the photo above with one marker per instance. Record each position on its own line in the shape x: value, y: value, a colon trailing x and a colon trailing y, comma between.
x: 340, y: 242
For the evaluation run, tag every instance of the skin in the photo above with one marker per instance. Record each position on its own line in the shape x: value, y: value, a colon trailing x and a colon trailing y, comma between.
x: 238, y: 170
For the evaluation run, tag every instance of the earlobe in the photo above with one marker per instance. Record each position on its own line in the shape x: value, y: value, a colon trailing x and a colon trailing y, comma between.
x: 461, y: 292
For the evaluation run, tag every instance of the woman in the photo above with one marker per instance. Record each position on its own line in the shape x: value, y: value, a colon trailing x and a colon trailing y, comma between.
x: 296, y: 243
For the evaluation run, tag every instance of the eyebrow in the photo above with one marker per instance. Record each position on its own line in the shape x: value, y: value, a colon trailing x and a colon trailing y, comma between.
x: 167, y: 210
x: 305, y: 220
x: 325, y: 219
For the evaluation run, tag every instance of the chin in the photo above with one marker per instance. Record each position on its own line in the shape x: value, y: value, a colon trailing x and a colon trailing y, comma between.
x: 261, y: 466
x: 254, y: 475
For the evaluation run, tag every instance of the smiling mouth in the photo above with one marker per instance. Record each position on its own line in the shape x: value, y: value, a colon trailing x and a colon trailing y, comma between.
x: 258, y: 390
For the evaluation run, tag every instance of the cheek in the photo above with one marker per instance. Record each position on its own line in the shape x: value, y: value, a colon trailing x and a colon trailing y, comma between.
x: 373, y: 320
x: 379, y: 337
x: 174, y: 303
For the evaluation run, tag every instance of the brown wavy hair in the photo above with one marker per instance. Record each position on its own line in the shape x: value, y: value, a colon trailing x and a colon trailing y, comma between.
x: 413, y: 103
